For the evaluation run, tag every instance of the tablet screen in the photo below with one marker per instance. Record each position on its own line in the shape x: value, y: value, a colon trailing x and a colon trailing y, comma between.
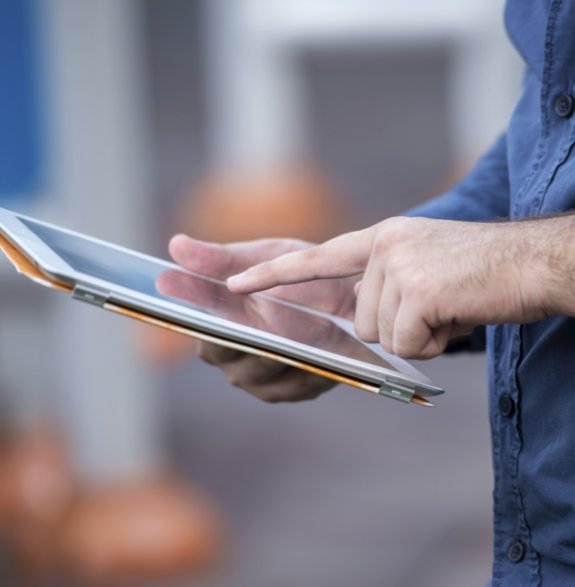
x: 161, y: 280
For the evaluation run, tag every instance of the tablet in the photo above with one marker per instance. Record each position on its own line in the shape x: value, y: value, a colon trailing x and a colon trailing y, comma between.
x: 162, y: 293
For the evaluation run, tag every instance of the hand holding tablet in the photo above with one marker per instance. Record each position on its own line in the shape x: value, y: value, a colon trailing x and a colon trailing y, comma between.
x: 317, y: 337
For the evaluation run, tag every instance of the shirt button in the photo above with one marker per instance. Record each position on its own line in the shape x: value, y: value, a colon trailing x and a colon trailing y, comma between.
x: 564, y: 105
x: 516, y: 552
x: 506, y: 405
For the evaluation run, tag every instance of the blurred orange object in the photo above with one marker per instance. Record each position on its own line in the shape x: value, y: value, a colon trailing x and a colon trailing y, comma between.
x: 36, y: 490
x: 35, y: 479
x: 157, y: 529
x: 243, y: 205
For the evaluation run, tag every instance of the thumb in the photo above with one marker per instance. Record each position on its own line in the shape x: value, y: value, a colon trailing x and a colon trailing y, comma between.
x: 199, y: 256
x: 221, y: 260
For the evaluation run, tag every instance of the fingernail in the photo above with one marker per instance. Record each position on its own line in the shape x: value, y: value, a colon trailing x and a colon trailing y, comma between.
x: 235, y: 280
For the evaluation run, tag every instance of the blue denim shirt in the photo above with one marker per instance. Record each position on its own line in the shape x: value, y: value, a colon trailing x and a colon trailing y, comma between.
x: 530, y: 171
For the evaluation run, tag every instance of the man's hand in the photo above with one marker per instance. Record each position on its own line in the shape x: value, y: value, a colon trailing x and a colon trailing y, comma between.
x: 264, y: 378
x: 427, y: 281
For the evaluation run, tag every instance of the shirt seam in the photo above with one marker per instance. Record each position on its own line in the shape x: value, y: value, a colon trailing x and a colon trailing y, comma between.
x: 549, y: 46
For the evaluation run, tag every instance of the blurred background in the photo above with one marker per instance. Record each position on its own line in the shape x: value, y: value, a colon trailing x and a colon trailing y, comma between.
x: 124, y: 460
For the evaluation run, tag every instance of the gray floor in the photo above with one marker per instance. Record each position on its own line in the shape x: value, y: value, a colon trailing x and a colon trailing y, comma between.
x: 347, y: 490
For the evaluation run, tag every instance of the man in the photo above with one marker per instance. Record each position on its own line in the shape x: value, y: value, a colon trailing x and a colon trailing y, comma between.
x: 415, y: 283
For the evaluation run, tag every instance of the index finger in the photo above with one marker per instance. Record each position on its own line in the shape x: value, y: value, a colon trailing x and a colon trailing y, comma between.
x: 342, y: 256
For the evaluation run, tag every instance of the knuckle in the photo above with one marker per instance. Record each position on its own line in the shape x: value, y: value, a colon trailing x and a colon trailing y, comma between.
x: 365, y: 332
x: 267, y: 393
x: 402, y: 350
x: 425, y: 355
x: 418, y: 287
x: 396, y: 263
x: 382, y: 243
x: 271, y: 397
x: 298, y: 245
x: 391, y: 232
x: 205, y: 353
x: 301, y: 388
x: 234, y: 379
x: 386, y: 345
x: 214, y: 354
x: 312, y: 253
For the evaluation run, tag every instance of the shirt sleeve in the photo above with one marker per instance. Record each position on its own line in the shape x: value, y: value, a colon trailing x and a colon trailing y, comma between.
x: 483, y: 194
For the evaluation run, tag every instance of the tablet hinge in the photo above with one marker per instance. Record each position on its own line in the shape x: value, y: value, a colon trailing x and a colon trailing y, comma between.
x: 397, y: 389
x: 90, y: 296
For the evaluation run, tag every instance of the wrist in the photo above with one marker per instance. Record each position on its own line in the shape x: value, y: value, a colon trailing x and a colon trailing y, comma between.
x: 548, y: 268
